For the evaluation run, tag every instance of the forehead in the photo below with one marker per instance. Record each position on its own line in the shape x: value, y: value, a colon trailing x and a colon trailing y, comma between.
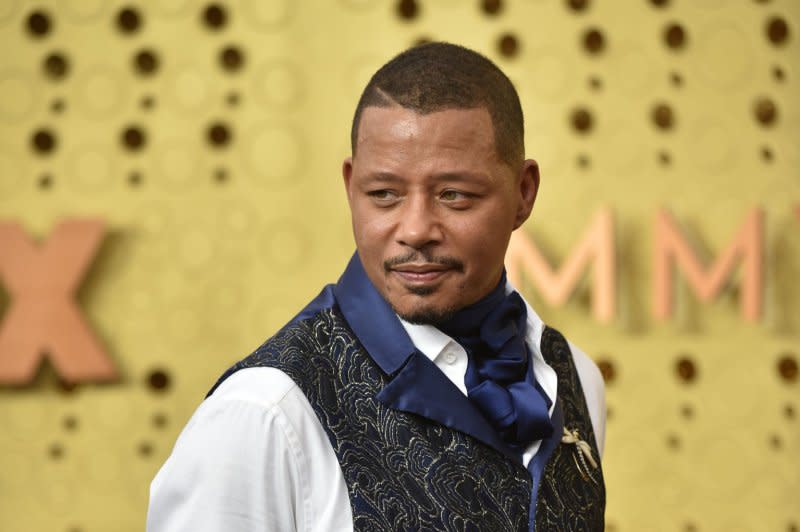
x: 400, y: 130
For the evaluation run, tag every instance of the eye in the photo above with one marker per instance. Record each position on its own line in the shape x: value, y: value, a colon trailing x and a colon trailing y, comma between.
x: 383, y: 196
x: 452, y: 195
x: 456, y: 198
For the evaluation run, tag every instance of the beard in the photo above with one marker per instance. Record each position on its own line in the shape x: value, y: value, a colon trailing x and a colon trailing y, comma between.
x: 428, y: 315
x: 425, y: 314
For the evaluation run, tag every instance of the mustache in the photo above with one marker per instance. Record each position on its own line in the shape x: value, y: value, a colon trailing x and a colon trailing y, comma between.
x: 414, y: 256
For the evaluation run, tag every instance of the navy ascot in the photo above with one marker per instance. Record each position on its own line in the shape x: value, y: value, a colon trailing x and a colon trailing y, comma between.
x: 499, y: 381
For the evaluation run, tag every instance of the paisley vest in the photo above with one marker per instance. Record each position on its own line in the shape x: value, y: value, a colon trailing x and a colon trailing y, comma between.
x: 405, y: 471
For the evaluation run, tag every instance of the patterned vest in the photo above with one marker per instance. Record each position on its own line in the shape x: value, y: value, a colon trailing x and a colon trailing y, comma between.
x: 406, y: 472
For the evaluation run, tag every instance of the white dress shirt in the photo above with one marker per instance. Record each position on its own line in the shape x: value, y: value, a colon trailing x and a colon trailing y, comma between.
x: 255, y: 458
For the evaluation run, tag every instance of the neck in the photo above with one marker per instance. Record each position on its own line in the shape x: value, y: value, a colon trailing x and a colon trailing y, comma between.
x: 468, y: 319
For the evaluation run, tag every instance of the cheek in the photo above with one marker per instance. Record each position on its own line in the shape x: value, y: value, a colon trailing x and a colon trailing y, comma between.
x: 371, y: 232
x: 485, y: 237
x: 483, y: 247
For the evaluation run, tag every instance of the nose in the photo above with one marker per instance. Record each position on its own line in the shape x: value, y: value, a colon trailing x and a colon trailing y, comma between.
x: 419, y: 225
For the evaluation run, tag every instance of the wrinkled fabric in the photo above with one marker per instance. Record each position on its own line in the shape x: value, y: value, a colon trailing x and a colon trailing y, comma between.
x: 499, y: 378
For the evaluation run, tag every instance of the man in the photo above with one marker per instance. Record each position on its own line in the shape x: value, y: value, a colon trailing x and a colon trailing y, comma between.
x: 420, y: 392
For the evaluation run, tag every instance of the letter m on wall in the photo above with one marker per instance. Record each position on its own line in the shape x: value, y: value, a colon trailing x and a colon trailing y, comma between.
x: 43, y: 318
x: 596, y: 246
x: 671, y: 248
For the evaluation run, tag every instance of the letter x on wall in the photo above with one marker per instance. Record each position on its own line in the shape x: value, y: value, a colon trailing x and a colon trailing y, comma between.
x: 43, y: 318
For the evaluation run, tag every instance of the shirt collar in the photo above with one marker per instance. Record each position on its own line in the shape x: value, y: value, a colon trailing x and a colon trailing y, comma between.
x: 427, y: 338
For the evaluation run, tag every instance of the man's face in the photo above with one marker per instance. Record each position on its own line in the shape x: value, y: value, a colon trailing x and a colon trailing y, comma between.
x: 433, y: 207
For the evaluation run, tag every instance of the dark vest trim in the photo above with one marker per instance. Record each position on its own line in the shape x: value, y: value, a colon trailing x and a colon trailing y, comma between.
x: 566, y: 500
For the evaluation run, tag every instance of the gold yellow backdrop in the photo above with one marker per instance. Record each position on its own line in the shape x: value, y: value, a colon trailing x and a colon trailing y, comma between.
x: 210, y: 136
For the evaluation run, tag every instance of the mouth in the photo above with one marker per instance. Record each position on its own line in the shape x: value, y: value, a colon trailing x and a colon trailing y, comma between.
x: 420, y: 273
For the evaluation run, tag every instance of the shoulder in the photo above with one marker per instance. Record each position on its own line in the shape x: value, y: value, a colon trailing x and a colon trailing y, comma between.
x: 247, y: 406
x: 269, y: 397
x: 291, y: 350
x: 244, y: 460
x: 265, y: 387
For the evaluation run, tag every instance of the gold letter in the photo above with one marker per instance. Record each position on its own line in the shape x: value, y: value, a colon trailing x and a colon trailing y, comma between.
x: 596, y: 245
x: 43, y: 317
x: 670, y: 246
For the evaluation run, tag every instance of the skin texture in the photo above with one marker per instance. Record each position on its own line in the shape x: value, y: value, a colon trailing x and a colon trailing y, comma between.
x: 433, y: 207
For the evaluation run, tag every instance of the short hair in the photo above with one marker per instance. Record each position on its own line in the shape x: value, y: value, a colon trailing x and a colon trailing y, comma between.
x: 437, y: 76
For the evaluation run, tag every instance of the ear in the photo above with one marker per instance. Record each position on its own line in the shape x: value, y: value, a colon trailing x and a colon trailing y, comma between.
x: 347, y: 173
x: 527, y: 186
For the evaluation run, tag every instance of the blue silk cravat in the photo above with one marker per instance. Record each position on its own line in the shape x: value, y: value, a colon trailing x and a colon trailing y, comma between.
x: 499, y: 381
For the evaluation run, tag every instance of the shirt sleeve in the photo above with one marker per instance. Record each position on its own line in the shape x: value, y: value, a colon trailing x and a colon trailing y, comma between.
x: 243, y: 463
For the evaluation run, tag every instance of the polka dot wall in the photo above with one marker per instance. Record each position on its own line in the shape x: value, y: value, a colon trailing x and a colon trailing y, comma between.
x: 209, y: 135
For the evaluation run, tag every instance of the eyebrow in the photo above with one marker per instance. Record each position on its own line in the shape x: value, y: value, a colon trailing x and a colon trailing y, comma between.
x: 470, y: 177
x: 387, y: 177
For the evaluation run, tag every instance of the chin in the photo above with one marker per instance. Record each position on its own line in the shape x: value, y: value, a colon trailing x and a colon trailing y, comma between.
x: 426, y: 314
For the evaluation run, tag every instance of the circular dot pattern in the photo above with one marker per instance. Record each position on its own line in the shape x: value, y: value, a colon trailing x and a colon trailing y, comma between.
x: 777, y: 31
x: 607, y: 370
x: 44, y: 141
x: 582, y: 121
x: 231, y: 58
x: 594, y: 41
x: 508, y: 45
x: 663, y: 116
x: 56, y: 66
x: 159, y: 380
x: 673, y: 442
x: 492, y: 7
x: 765, y: 111
x: 133, y: 138
x: 209, y: 101
x: 56, y: 451
x: 219, y: 134
x: 39, y: 24
x: 407, y: 9
x: 128, y: 20
x: 578, y: 5
x: 787, y: 368
x: 675, y: 36
x: 145, y: 449
x: 146, y: 62
x: 159, y: 420
x: 215, y: 16
x: 70, y: 423
x: 686, y: 370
